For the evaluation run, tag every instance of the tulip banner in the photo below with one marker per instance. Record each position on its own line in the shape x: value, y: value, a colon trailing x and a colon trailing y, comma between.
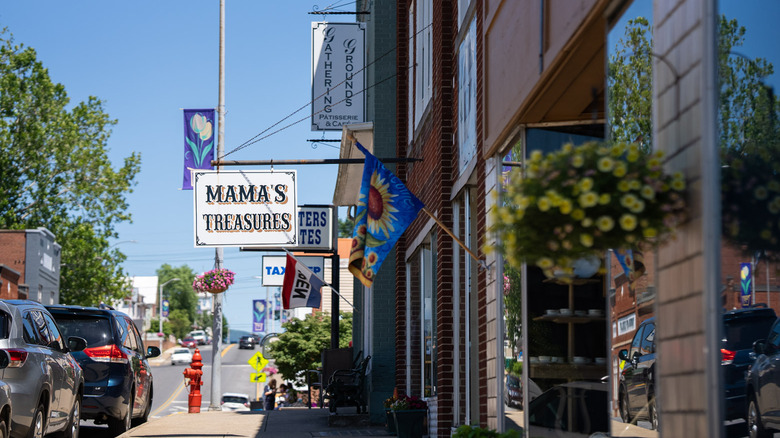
x: 198, y: 142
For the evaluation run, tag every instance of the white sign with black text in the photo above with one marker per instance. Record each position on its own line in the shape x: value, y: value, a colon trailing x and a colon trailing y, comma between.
x: 238, y: 208
x: 337, y: 79
x: 315, y: 227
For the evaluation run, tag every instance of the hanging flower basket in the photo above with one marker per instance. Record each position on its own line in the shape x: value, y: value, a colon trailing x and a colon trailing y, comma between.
x: 578, y: 202
x: 750, y: 202
x: 215, y: 281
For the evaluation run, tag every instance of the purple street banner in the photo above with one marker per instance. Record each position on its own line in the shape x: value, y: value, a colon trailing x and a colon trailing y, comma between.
x: 259, y: 314
x: 198, y: 142
x: 746, y: 283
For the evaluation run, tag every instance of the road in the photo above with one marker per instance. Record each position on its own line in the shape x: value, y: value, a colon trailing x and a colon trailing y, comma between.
x: 170, y: 394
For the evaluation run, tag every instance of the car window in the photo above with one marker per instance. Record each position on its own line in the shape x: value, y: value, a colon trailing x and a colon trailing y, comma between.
x: 181, y: 351
x: 96, y: 330
x: 124, y: 334
x: 135, y: 338
x: 741, y: 332
x: 636, y: 342
x: 648, y: 340
x: 5, y: 322
x: 56, y: 340
x: 28, y: 330
x: 41, y: 329
x: 234, y: 399
x: 774, y: 336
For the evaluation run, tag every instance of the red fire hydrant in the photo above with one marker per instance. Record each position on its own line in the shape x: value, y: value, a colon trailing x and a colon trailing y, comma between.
x: 192, y: 375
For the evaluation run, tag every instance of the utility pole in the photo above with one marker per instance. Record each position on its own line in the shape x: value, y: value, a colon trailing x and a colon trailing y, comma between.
x: 216, y: 335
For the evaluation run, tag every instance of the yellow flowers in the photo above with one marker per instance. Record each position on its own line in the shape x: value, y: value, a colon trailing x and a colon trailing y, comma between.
x: 584, y: 199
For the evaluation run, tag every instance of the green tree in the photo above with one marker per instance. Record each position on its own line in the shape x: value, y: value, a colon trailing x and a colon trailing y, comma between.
x: 179, y: 293
x: 629, y: 78
x: 55, y: 173
x: 300, y: 347
x: 180, y: 322
x: 513, y: 305
x: 346, y: 226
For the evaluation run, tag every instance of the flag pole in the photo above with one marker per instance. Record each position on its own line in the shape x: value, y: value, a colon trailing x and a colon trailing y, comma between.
x: 458, y: 241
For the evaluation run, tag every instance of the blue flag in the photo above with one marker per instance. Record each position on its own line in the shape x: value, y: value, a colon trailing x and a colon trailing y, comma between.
x: 384, y: 211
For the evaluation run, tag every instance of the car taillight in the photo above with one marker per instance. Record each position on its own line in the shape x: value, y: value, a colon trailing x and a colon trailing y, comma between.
x: 18, y: 357
x: 108, y: 353
x: 728, y: 356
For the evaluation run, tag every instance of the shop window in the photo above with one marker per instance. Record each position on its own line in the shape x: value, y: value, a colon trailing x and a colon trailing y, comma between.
x: 421, y: 58
x: 467, y: 97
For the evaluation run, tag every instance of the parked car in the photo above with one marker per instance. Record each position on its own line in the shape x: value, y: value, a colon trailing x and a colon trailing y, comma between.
x: 636, y: 390
x: 189, y: 342
x: 5, y: 397
x: 200, y: 336
x: 763, y: 386
x: 246, y: 342
x: 232, y: 401
x: 181, y: 356
x: 119, y: 387
x: 513, y: 391
x: 741, y: 328
x: 46, y: 382
x: 570, y: 410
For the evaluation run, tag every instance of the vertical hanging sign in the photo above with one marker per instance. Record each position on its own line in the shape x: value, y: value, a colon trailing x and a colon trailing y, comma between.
x: 746, y: 283
x: 337, y: 79
x: 259, y: 312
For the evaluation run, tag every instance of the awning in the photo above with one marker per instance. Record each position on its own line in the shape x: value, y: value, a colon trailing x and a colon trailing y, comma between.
x: 350, y: 176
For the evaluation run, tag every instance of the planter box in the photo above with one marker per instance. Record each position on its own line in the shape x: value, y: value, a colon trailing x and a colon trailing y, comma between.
x: 410, y: 423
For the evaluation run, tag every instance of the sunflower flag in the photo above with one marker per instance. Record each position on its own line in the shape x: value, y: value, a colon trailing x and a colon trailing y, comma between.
x: 385, y: 208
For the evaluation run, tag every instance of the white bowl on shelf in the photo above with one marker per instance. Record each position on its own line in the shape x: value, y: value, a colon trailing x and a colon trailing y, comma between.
x: 556, y: 359
x: 595, y: 312
x: 552, y: 312
x: 601, y: 360
x: 566, y: 312
x: 544, y: 359
x: 580, y: 359
x: 581, y: 313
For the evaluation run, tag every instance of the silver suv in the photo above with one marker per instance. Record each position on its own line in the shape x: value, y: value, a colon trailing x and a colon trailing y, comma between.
x: 46, y: 381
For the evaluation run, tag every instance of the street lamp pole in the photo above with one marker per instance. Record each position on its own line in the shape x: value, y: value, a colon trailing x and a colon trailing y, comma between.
x: 161, y: 306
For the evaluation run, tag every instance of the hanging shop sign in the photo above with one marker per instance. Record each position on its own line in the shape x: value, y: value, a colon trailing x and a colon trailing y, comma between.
x: 274, y: 267
x: 238, y: 208
x: 337, y: 78
x: 316, y: 227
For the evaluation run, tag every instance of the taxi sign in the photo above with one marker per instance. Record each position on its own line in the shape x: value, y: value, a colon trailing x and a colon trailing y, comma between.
x: 257, y: 377
x: 257, y: 361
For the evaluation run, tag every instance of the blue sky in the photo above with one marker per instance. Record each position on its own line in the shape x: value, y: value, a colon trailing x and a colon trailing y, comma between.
x: 149, y: 59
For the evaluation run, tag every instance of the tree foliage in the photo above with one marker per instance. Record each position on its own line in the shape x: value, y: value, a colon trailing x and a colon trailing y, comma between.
x: 55, y: 173
x: 300, y: 347
x: 179, y: 293
x: 346, y: 226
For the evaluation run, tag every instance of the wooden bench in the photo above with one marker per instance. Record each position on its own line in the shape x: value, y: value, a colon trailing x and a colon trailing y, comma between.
x: 347, y: 388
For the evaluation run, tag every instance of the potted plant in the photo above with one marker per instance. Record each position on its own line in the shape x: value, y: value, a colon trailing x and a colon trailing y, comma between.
x: 214, y: 281
x: 574, y: 204
x: 409, y: 414
x: 389, y: 419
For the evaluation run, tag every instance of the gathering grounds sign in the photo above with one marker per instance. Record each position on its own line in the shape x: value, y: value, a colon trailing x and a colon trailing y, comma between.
x: 243, y: 208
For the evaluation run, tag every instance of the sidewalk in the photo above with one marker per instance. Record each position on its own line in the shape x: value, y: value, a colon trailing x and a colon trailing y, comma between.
x: 287, y: 423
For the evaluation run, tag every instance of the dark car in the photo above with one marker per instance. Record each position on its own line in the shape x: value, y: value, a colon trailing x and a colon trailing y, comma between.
x: 118, y: 387
x: 569, y: 410
x: 763, y: 386
x: 636, y: 391
x: 741, y: 328
x: 45, y: 380
x: 247, y: 342
x: 513, y: 391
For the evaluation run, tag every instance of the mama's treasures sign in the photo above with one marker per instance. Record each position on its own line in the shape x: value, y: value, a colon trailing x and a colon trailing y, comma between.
x: 238, y: 208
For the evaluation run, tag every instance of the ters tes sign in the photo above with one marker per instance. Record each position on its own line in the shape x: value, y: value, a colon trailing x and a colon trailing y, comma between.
x: 240, y: 208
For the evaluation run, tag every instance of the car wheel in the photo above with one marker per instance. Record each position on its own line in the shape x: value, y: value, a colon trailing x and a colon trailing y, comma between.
x: 652, y: 412
x: 74, y: 423
x: 145, y: 417
x: 38, y: 424
x: 755, y: 428
x: 118, y: 426
x: 624, y: 412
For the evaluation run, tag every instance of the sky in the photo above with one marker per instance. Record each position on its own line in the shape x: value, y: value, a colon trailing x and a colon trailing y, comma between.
x: 147, y: 60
